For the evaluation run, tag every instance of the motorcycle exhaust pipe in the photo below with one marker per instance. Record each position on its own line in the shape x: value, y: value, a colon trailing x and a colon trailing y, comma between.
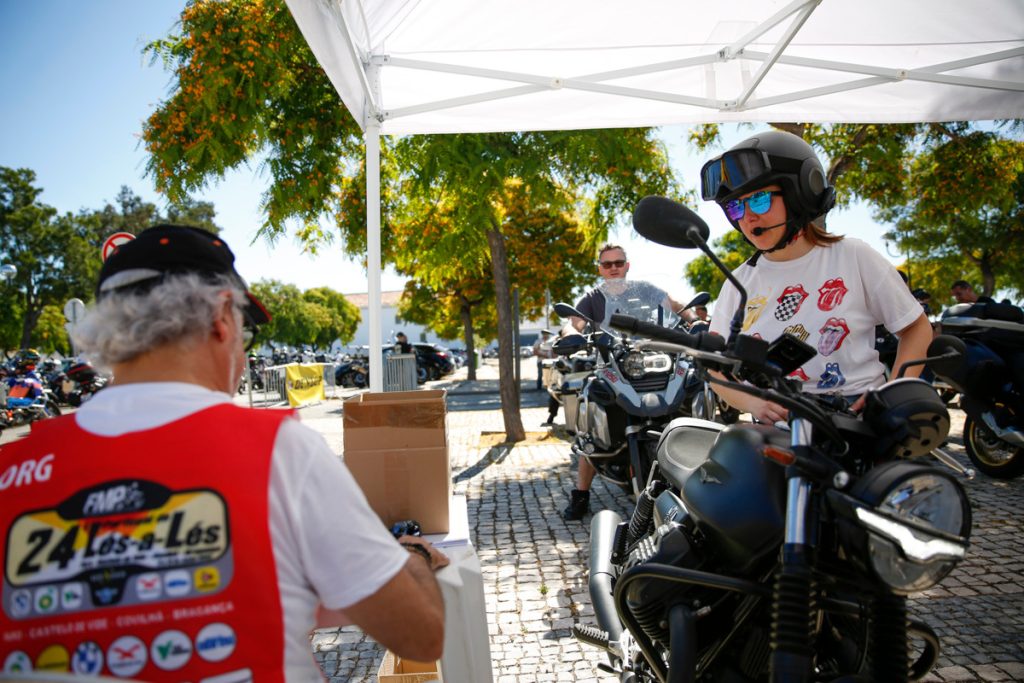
x: 602, y: 540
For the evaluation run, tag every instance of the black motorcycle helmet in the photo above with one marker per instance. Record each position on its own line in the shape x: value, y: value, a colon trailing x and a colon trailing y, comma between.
x: 774, y: 157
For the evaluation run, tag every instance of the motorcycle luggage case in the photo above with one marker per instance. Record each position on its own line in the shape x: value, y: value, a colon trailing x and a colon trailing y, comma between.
x: 738, y: 497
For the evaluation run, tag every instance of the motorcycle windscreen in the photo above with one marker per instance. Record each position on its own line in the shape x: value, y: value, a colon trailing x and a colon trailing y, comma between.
x: 738, y: 497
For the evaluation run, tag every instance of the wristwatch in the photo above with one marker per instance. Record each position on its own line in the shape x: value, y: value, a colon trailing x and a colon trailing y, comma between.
x: 417, y: 548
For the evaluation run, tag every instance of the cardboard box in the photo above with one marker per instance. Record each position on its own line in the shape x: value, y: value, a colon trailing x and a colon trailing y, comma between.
x: 397, y: 670
x: 396, y: 446
x: 395, y: 419
x: 405, y: 483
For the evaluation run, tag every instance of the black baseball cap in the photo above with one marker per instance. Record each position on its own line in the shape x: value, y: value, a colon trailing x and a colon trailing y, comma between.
x: 172, y: 249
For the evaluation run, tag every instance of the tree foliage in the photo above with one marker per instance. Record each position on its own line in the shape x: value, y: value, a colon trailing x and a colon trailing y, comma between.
x: 316, y: 317
x: 58, y: 257
x: 952, y: 191
x: 246, y: 86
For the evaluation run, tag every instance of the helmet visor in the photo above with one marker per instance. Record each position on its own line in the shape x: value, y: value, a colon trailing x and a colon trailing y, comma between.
x: 730, y: 171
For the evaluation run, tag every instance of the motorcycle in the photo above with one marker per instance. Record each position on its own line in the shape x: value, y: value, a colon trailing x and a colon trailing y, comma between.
x: 703, y: 402
x: 629, y: 396
x: 757, y: 552
x: 569, y: 370
x: 24, y: 399
x: 354, y: 372
x: 84, y: 381
x: 993, y: 402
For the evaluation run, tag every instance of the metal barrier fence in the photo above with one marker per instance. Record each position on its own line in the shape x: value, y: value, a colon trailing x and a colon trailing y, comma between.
x: 274, y: 389
x: 400, y: 372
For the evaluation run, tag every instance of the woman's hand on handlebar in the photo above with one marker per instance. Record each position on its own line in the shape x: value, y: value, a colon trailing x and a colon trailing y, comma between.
x: 765, y: 411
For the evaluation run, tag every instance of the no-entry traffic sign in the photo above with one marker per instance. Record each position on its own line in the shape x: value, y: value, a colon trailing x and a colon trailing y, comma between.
x: 115, y: 240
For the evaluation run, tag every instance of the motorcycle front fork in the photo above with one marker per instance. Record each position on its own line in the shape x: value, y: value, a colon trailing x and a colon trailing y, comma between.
x: 794, y: 597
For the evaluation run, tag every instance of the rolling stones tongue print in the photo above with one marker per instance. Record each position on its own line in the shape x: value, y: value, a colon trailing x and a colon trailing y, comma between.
x: 790, y: 301
x: 832, y: 378
x: 831, y: 294
x: 799, y: 374
x: 755, y: 307
x: 833, y: 332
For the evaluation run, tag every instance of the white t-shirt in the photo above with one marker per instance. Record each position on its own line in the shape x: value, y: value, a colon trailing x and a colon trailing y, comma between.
x: 329, y: 546
x: 831, y: 298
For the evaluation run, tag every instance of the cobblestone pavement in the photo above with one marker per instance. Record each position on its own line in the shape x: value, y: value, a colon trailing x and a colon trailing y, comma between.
x: 534, y: 563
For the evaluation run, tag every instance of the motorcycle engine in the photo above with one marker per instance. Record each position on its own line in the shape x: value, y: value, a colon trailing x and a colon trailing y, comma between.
x: 671, y: 543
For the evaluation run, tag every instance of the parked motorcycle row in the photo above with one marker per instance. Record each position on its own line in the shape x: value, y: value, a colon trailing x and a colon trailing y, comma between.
x: 34, y: 389
x: 779, y: 552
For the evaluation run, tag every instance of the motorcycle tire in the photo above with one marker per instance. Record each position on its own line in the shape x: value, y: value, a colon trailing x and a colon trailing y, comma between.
x: 358, y: 380
x: 421, y: 374
x: 990, y: 454
x: 50, y: 409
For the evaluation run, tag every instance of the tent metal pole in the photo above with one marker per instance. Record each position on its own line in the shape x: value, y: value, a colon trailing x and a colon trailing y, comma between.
x: 372, y: 137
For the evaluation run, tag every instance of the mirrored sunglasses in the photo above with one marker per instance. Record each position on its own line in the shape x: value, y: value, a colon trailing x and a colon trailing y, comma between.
x: 759, y: 203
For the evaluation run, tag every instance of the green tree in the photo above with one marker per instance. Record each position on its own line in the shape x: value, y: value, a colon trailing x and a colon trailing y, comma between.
x: 316, y: 317
x: 343, y: 316
x: 48, y: 251
x: 248, y: 87
x: 50, y: 335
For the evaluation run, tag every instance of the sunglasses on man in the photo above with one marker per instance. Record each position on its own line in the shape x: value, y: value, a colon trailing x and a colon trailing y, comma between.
x: 618, y: 263
x: 759, y: 203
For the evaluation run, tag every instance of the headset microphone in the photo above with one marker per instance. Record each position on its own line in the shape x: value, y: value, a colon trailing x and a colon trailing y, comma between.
x: 760, y: 231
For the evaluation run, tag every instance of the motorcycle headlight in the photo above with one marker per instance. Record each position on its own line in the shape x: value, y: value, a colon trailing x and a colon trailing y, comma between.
x: 637, y: 364
x: 912, y: 527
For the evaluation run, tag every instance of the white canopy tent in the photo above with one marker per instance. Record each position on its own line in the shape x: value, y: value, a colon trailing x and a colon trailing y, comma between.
x: 457, y: 66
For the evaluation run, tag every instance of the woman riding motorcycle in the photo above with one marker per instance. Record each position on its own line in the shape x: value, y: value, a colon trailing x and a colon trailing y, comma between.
x: 774, y: 180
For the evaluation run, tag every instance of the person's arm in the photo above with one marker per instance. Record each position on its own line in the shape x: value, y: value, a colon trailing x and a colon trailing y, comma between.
x: 762, y: 409
x: 406, y: 615
x: 914, y: 341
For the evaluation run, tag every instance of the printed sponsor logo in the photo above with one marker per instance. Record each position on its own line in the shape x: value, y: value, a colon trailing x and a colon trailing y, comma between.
x: 171, y: 650
x: 178, y: 582
x: 240, y: 676
x: 27, y: 472
x: 21, y: 602
x: 17, y: 662
x: 216, y: 642
x: 46, y: 599
x: 148, y: 586
x: 126, y: 656
x: 53, y: 658
x: 120, y: 498
x: 71, y: 595
x: 207, y: 579
x: 87, y: 659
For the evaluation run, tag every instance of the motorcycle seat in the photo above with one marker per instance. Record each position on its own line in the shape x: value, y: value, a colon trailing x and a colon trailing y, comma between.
x: 684, y: 445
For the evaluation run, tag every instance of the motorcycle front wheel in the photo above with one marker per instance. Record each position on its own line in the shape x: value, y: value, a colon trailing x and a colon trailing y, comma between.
x: 990, y: 454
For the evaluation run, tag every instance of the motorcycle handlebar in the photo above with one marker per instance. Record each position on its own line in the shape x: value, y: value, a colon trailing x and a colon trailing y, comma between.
x: 702, y: 341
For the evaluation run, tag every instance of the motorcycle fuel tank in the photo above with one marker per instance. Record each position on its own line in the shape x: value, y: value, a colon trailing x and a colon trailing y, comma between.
x: 738, y: 497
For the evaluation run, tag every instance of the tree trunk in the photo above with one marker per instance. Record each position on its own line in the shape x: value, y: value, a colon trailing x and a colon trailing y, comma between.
x: 466, y: 314
x: 508, y: 387
x: 32, y: 312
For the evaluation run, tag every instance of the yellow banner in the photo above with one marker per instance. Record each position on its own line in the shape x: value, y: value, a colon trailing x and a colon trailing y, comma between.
x: 304, y: 384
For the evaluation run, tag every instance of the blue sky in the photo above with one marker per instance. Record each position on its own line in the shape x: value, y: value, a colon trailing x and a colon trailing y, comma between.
x: 76, y: 89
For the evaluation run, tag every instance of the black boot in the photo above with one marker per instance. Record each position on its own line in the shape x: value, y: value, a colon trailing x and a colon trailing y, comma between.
x: 579, y: 505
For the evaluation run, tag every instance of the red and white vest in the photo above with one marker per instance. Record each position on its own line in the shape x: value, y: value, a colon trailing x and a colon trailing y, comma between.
x: 144, y: 556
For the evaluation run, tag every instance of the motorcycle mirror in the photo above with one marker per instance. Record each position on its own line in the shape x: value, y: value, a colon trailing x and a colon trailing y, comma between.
x: 669, y: 223
x: 701, y: 299
x: 564, y: 310
x: 947, y: 357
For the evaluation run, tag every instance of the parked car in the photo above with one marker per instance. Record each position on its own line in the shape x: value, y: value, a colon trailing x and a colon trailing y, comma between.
x: 433, y: 361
